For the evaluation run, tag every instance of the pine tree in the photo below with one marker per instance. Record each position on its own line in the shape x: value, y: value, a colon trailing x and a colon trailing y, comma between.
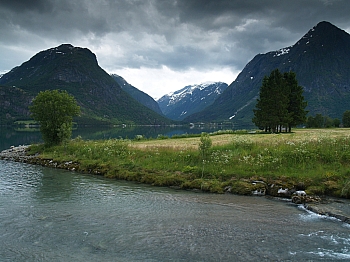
x: 297, y: 105
x: 280, y: 98
x: 281, y: 103
x: 260, y: 113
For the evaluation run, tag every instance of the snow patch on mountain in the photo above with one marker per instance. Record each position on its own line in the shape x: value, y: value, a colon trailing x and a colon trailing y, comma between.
x: 282, y: 51
x: 188, y: 91
x: 192, y: 98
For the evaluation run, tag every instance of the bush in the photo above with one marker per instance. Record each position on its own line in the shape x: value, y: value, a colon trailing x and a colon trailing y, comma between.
x: 205, y: 144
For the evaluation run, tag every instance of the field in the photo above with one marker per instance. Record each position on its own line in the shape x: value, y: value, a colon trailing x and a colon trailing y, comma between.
x: 314, y: 160
x: 225, y: 139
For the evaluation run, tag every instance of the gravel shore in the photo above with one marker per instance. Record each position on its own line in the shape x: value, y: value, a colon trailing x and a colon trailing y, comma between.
x: 17, y: 154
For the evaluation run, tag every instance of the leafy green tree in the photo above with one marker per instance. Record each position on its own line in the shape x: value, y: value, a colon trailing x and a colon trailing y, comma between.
x: 310, y: 121
x: 346, y: 118
x: 319, y: 121
x: 336, y: 122
x: 328, y: 122
x: 54, y: 110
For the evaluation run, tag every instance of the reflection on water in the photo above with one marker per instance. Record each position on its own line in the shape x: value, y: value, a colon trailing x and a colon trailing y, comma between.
x: 56, y: 215
x: 11, y: 137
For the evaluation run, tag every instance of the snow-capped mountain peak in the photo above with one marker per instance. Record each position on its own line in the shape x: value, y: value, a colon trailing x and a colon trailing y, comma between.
x: 181, y: 103
x: 190, y: 89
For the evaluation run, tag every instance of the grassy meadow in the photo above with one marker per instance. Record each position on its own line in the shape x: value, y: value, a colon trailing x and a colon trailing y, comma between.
x: 315, y: 160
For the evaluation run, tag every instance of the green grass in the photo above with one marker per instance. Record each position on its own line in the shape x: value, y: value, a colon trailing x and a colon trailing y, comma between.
x: 317, y: 159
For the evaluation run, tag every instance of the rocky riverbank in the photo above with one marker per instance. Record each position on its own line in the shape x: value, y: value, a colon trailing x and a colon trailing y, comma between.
x: 337, y: 208
x: 18, y: 154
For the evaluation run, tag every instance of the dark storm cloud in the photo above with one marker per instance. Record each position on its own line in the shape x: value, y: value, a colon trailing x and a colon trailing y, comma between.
x: 18, y: 6
x: 290, y: 14
x: 179, y: 34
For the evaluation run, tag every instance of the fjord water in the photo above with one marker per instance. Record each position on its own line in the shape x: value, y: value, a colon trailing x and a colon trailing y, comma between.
x: 14, y: 137
x: 56, y: 215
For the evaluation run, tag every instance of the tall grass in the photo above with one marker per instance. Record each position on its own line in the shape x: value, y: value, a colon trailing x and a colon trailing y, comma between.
x: 319, y: 160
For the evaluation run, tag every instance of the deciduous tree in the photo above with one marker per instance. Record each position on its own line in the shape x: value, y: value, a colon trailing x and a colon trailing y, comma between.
x: 54, y: 110
x: 346, y: 118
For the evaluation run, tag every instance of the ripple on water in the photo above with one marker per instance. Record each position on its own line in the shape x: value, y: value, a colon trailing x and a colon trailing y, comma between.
x: 15, y: 180
x: 49, y: 214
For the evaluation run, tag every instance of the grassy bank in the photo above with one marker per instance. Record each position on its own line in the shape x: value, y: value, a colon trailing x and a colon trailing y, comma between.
x: 317, y: 161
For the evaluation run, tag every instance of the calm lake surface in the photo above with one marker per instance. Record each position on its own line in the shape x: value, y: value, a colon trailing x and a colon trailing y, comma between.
x: 56, y: 215
x: 14, y: 137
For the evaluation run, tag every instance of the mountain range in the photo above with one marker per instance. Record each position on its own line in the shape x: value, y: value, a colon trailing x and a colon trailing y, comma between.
x: 320, y: 60
x: 74, y: 69
x: 190, y: 99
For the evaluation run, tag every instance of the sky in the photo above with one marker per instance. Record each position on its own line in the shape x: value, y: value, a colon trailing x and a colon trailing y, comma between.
x: 160, y: 46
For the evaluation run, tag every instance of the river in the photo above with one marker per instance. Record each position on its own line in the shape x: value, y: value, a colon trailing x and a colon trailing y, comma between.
x: 56, y: 215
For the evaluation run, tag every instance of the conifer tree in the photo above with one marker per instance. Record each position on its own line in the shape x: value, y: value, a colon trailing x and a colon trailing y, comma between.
x: 297, y: 105
x: 281, y: 102
x: 260, y: 113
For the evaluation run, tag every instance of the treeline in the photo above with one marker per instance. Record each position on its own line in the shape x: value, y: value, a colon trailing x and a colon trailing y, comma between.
x: 320, y: 121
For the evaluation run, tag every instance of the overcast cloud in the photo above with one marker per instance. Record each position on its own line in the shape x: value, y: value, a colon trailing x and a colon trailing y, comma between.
x: 160, y: 46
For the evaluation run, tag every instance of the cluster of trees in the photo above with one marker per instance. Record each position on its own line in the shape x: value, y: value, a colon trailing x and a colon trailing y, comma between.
x: 319, y: 121
x: 281, y: 103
